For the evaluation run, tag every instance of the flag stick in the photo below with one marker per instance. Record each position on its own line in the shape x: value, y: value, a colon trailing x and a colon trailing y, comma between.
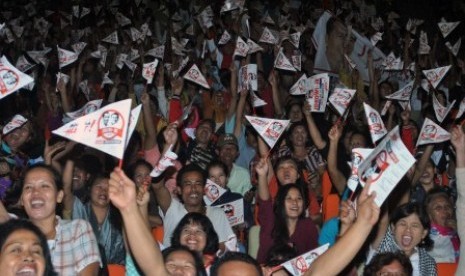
x: 120, y: 164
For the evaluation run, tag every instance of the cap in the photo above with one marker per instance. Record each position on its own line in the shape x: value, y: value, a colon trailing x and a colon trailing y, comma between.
x: 226, y: 139
x: 16, y: 122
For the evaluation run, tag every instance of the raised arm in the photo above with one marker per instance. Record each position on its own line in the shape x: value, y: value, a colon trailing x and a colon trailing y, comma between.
x: 233, y: 90
x: 421, y: 164
x: 333, y: 261
x: 122, y: 193
x: 337, y: 178
x: 273, y: 80
x: 315, y: 134
x: 68, y: 198
x: 240, y: 112
x: 262, y: 172
x: 150, y: 131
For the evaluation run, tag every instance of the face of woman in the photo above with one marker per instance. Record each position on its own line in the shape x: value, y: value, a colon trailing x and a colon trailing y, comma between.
x: 408, y: 233
x: 194, y: 237
x: 440, y: 210
x: 180, y: 263
x: 40, y: 195
x: 287, y: 173
x: 295, y: 113
x: 428, y: 174
x: 299, y: 136
x: 22, y: 255
x: 293, y: 204
x: 217, y: 175
x: 99, y: 193
x: 141, y: 174
x: 18, y: 137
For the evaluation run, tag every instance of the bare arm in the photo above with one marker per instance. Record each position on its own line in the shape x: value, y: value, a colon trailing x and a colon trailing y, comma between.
x: 337, y: 178
x: 233, y: 90
x: 273, y: 80
x: 262, y: 171
x: 145, y: 250
x: 315, y: 134
x: 68, y: 199
x: 240, y: 112
x: 420, y: 167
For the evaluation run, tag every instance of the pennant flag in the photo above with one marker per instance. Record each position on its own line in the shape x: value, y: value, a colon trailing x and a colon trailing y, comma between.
x: 133, y: 118
x: 436, y: 75
x: 133, y: 54
x: 424, y: 48
x: 376, y: 38
x: 402, y: 94
x: 358, y: 155
x: 282, y: 62
x: 432, y: 133
x: 440, y: 110
x: 88, y: 108
x: 268, y: 37
x: 269, y: 129
x: 256, y: 101
x: 405, y: 105
x: 301, y: 87
x: 135, y: 34
x: 225, y: 38
x: 253, y: 47
x: 78, y: 47
x: 17, y: 122
x: 386, y: 107
x: 241, y: 48
x: 296, y: 61
x: 295, y: 39
x: 461, y: 109
x: 268, y: 20
x: 66, y: 57
x: 149, y: 69
x: 393, y: 63
x: 234, y: 211
x: 106, y: 79
x: 196, y: 76
x: 375, y: 123
x: 447, y: 27
x: 112, y: 38
x: 319, y: 91
x: 454, y: 49
x: 120, y: 60
x: 22, y: 64
x: 157, y: 52
x: 84, y: 11
x: 300, y: 264
x: 122, y: 20
x: 105, y: 129
x: 76, y: 11
x: 167, y: 160
x: 386, y: 165
x: 11, y: 79
x: 212, y: 192
x: 340, y: 99
x: 248, y: 78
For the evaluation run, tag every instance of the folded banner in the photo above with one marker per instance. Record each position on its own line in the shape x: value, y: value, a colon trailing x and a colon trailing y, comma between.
x: 11, y: 79
x: 436, y: 75
x: 432, y: 133
x: 358, y: 155
x: 112, y: 38
x: 196, y: 76
x: 402, y: 94
x: 386, y: 165
x: 447, y: 27
x: 88, y: 108
x: 319, y: 91
x: 269, y: 129
x: 66, y: 57
x: 17, y: 122
x: 105, y: 129
x: 167, y: 160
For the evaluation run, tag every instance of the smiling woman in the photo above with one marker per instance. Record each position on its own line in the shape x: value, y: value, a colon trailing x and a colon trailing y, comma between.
x: 24, y: 250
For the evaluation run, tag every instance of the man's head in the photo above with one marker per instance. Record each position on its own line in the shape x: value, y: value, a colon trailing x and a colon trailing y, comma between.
x: 204, y: 131
x: 236, y: 264
x: 190, y: 184
x: 228, y: 149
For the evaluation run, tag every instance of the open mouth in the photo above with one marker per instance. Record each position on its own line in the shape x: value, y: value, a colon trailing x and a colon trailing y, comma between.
x: 37, y: 203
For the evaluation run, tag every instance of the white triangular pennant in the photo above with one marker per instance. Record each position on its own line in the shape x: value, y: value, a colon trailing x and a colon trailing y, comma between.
x: 440, y: 110
x: 212, y: 192
x: 295, y: 39
x: 269, y: 129
x: 22, y: 64
x: 282, y: 62
x: 375, y: 123
x: 225, y: 38
x: 393, y: 63
x: 358, y: 155
x: 432, y: 133
x: 297, y: 61
x: 106, y: 79
x: 105, y: 129
x: 135, y: 34
x: 84, y: 11
x: 122, y: 20
x: 157, y: 52
x: 300, y: 264
x: 436, y: 75
x: 301, y: 87
x: 424, y: 48
x: 256, y: 101
x: 402, y: 94
x: 241, y: 49
x: 167, y: 160
x: 268, y: 37
x: 149, y: 69
x: 133, y: 118
x: 454, y: 49
x: 253, y: 47
x: 447, y: 27
x: 79, y: 47
x: 11, y: 79
x: 340, y: 99
x: 66, y: 57
x: 112, y: 38
x: 196, y: 76
x: 88, y: 108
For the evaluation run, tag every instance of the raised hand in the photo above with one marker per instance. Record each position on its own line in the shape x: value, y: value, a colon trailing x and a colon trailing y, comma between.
x: 262, y: 167
x: 335, y: 133
x: 122, y: 190
x: 171, y: 134
x: 367, y: 210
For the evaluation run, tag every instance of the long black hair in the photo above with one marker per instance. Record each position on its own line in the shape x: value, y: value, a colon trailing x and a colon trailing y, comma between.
x: 13, y: 225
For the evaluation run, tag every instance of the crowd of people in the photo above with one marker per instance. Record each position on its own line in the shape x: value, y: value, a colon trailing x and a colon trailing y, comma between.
x: 231, y: 198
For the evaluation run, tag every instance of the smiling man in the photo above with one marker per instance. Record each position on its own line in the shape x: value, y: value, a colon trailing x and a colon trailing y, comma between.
x: 190, y: 188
